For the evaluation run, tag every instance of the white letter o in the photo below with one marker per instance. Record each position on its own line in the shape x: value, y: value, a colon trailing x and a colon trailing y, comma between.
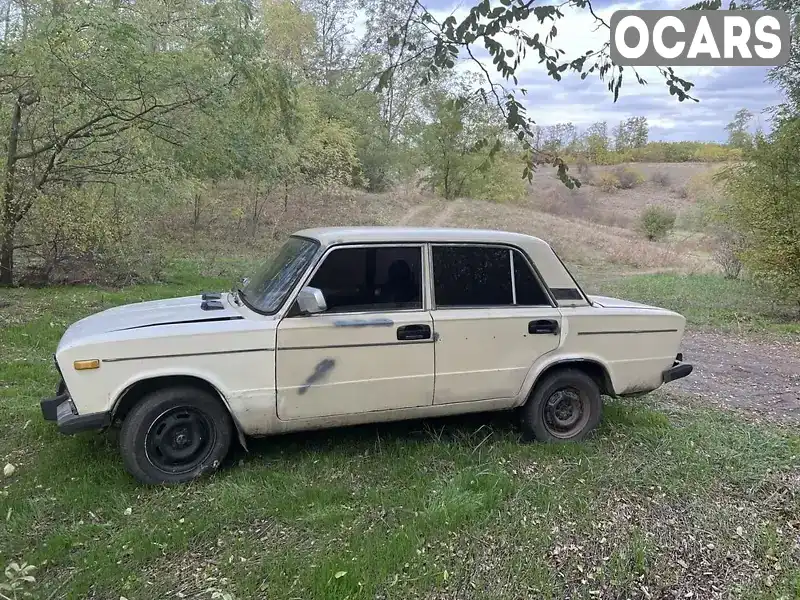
x: 619, y: 37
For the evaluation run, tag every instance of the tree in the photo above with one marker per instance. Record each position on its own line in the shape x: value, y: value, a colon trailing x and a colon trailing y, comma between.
x: 461, y: 142
x: 764, y: 195
x: 561, y: 137
x: 787, y: 76
x: 499, y: 31
x: 84, y: 87
x: 738, y: 130
x: 596, y: 141
x: 386, y: 148
x: 334, y: 19
x: 640, y: 131
x: 621, y: 135
x: 289, y: 35
x: 631, y: 133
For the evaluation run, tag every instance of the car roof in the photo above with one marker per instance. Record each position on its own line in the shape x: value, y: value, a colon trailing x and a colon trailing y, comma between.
x: 328, y: 236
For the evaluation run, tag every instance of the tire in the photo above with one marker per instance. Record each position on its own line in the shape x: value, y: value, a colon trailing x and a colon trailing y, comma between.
x: 174, y: 435
x: 545, y: 416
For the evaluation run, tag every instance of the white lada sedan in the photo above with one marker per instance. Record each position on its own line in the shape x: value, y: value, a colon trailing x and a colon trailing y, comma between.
x: 357, y: 325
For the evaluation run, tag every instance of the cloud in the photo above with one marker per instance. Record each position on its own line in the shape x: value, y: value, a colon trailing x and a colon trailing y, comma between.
x: 721, y: 90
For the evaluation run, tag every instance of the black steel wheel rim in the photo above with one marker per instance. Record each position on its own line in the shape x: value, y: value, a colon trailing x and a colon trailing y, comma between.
x: 179, y: 440
x: 566, y: 412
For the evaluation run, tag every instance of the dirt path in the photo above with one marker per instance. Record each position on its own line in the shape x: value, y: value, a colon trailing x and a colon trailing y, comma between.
x: 759, y: 377
x: 449, y: 211
x: 430, y: 215
x: 412, y: 214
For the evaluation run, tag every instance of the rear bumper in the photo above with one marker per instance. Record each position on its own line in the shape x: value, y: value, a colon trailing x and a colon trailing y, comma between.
x: 679, y: 370
x: 62, y: 411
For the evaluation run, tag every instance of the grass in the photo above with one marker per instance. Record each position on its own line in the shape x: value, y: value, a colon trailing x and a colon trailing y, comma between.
x: 662, y: 502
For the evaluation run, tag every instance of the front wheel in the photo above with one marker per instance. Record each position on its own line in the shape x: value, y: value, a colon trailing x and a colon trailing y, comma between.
x: 175, y: 435
x: 564, y: 406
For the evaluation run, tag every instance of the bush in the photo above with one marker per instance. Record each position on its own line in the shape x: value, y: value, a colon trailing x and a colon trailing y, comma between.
x: 584, y: 172
x: 660, y: 178
x: 704, y: 186
x: 499, y: 181
x: 628, y: 177
x: 764, y: 195
x: 608, y: 182
x: 726, y: 253
x: 656, y: 222
x: 95, y: 234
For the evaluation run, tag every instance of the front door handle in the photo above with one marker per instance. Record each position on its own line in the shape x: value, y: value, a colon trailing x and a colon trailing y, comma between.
x: 408, y: 333
x: 543, y: 326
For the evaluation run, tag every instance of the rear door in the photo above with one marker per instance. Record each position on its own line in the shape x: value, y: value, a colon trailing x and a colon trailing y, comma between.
x: 492, y: 319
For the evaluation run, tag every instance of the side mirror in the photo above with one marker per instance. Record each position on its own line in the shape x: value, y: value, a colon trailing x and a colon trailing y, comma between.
x: 311, y: 301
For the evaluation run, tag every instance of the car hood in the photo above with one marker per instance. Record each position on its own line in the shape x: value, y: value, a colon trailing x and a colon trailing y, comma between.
x: 175, y: 311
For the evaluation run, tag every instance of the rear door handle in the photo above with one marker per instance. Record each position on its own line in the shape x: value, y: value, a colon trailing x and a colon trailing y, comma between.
x: 408, y: 333
x: 543, y: 326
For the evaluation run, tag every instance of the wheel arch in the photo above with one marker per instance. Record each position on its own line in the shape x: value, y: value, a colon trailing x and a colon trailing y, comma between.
x: 135, y: 391
x: 594, y: 368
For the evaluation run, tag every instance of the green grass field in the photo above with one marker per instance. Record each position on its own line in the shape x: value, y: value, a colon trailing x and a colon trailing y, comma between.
x: 665, y: 499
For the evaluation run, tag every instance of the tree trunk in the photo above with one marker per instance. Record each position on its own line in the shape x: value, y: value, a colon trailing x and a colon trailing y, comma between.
x: 196, y: 210
x: 10, y: 220
x: 256, y: 212
x: 7, y: 260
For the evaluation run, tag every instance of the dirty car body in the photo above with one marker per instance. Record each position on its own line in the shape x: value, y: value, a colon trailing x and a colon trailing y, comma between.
x: 353, y: 325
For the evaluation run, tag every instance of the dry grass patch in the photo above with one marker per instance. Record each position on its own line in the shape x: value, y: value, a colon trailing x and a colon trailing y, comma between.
x: 661, y: 178
x: 203, y: 570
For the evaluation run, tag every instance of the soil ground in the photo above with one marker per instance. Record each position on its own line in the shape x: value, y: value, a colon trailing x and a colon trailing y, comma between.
x: 760, y: 377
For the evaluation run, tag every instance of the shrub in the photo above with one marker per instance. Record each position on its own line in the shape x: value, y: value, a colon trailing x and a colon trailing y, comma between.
x: 94, y: 234
x: 628, y: 177
x: 584, y: 171
x: 726, y: 253
x: 764, y: 194
x: 708, y: 187
x: 695, y: 217
x: 661, y: 178
x: 656, y: 222
x: 498, y: 182
x: 608, y: 182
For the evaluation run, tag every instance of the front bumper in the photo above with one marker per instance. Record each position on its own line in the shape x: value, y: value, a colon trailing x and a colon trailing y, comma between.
x: 678, y: 370
x: 61, y: 409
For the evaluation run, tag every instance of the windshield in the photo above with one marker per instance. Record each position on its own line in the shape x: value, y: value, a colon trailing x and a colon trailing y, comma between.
x: 266, y: 291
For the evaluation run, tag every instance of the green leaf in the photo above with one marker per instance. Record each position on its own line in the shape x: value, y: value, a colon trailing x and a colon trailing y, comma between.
x: 384, y: 80
x: 706, y: 5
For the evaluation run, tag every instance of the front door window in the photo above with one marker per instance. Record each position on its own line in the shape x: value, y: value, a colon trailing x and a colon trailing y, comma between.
x: 371, y: 279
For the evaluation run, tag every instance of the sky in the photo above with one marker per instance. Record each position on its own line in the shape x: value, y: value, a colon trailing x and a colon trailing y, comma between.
x: 721, y: 90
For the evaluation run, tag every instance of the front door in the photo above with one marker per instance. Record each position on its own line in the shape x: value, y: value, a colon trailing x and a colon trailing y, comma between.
x: 371, y: 350
x: 492, y: 319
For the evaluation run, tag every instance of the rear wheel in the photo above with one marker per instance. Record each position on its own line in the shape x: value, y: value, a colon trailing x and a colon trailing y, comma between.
x: 175, y: 435
x: 564, y: 406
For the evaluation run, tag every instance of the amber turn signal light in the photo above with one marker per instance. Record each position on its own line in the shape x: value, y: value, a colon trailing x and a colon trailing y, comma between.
x: 83, y: 365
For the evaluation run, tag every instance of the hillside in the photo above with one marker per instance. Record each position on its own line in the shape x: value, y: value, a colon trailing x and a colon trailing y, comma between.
x: 588, y: 226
